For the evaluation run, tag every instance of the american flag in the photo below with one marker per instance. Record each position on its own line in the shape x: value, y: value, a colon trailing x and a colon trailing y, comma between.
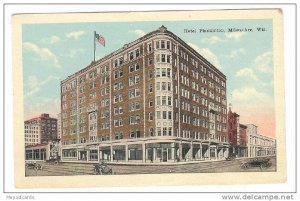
x: 100, y: 39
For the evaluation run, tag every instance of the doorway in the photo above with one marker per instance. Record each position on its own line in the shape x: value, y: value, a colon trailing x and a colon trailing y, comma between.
x: 165, y: 155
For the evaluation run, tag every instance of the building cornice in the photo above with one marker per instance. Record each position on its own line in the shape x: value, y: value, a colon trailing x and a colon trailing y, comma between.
x: 161, y: 31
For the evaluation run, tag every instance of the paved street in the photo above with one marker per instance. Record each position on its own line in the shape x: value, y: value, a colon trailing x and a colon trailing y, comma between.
x: 65, y: 169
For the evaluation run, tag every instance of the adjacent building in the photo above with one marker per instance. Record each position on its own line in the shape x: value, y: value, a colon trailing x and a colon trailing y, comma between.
x: 237, y: 135
x: 32, y: 134
x: 259, y: 145
x: 154, y: 100
x: 42, y: 129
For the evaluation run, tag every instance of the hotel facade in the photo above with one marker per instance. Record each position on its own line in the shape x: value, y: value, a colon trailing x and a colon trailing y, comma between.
x: 154, y: 100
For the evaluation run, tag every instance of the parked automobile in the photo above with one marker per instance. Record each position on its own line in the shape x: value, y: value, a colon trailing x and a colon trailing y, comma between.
x: 102, y: 169
x: 257, y: 162
x: 230, y: 157
x: 54, y: 160
x: 34, y: 165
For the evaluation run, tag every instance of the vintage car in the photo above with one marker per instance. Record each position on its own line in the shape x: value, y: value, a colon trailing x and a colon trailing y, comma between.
x: 102, y: 169
x: 257, y: 162
x: 230, y: 157
x: 34, y: 165
x: 53, y: 160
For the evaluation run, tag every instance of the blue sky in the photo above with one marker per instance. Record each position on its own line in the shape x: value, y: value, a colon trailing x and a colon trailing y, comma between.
x: 51, y: 52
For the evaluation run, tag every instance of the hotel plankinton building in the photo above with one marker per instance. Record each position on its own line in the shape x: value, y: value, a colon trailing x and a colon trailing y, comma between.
x: 154, y: 100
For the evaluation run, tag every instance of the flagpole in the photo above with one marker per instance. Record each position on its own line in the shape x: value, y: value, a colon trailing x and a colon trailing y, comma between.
x: 94, y: 45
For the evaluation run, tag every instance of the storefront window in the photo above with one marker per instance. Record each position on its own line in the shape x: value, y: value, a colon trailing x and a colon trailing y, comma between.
x: 93, y: 155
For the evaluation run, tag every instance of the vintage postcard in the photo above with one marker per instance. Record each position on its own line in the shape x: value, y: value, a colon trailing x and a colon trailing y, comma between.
x: 149, y: 98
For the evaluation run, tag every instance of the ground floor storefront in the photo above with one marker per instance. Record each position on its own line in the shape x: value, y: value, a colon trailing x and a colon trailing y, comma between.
x: 36, y: 153
x: 255, y: 151
x: 146, y: 151
x: 42, y: 152
x: 238, y: 151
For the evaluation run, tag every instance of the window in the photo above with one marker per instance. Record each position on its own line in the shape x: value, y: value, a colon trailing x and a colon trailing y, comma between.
x: 157, y: 72
x: 93, y: 127
x: 130, y: 55
x: 64, y: 97
x: 93, y: 95
x: 151, y: 131
x: 104, y: 91
x: 150, y: 101
x: 150, y: 88
x: 93, y: 116
x: 168, y: 72
x: 175, y: 48
x: 163, y: 58
x: 163, y: 86
x: 168, y: 58
x: 81, y: 109
x: 118, y: 110
x: 169, y: 86
x: 168, y: 45
x: 164, y: 131
x: 158, y: 131
x: 169, y: 115
x: 162, y: 44
x: 81, y: 99
x: 163, y: 72
x: 104, y: 102
x: 134, y: 106
x: 137, y: 66
x: 157, y: 44
x: 134, y: 119
x: 150, y: 116
x: 118, y: 86
x: 150, y: 60
x: 164, y: 114
x: 118, y: 98
x: 134, y: 54
x: 149, y: 47
x: 121, y: 60
x: 104, y: 79
x: 131, y: 68
x: 93, y: 85
x: 92, y: 74
x: 118, y: 122
x: 169, y: 100
x: 135, y: 134
x: 116, y: 63
x: 134, y: 93
x: 132, y: 134
x: 150, y: 74
x: 118, y: 136
x: 164, y: 100
x: 118, y: 73
x: 137, y: 52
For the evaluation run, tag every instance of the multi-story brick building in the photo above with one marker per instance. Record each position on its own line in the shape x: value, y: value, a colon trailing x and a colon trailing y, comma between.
x: 259, y: 145
x: 237, y: 135
x: 47, y: 127
x: 154, y: 100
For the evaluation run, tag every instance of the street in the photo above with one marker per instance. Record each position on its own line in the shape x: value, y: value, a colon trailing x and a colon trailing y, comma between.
x: 64, y: 169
